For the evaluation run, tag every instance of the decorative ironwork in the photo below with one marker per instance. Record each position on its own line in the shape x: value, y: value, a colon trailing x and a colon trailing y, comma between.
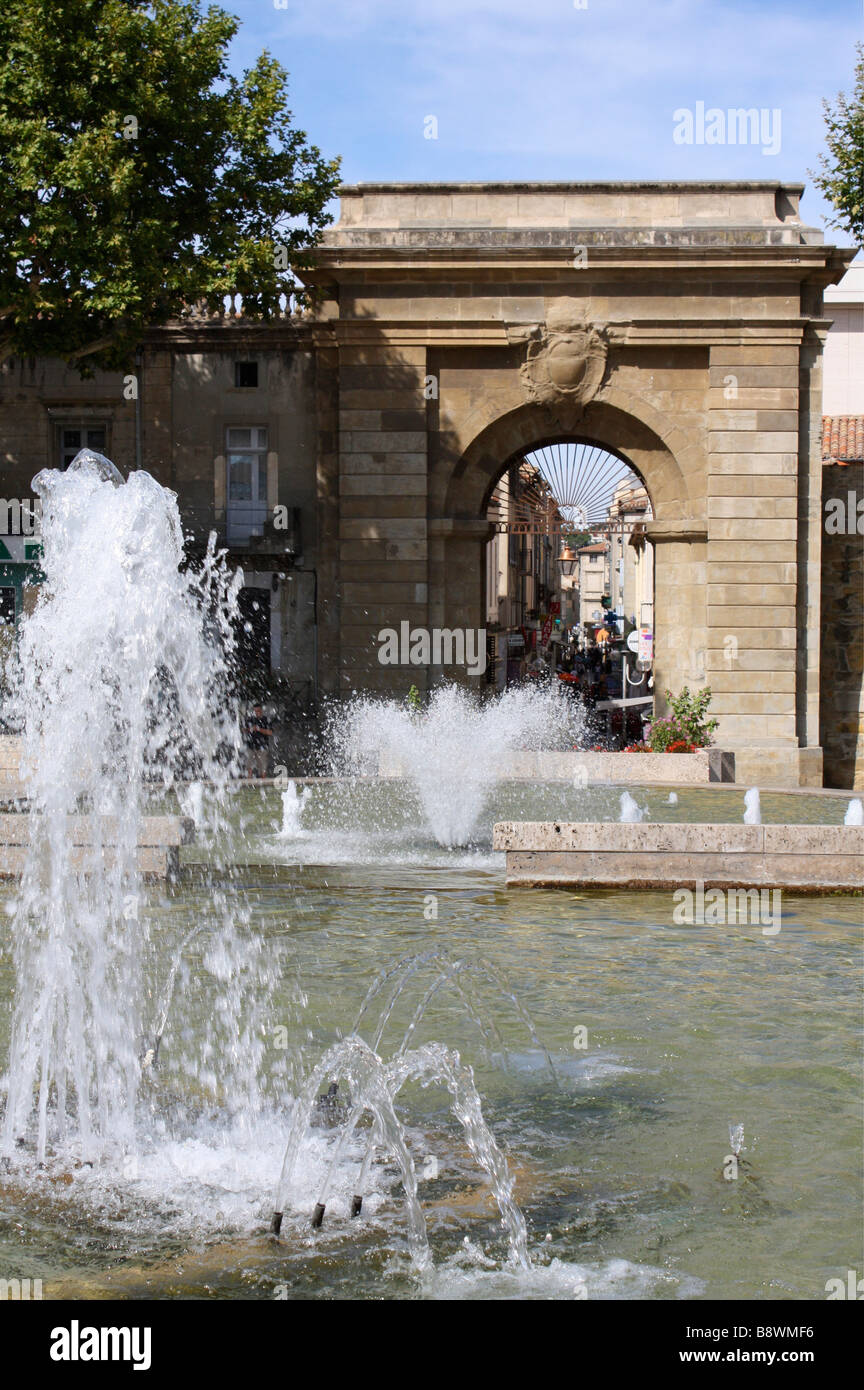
x: 560, y: 490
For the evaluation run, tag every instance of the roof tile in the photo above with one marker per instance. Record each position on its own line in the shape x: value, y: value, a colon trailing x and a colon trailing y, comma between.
x: 842, y: 438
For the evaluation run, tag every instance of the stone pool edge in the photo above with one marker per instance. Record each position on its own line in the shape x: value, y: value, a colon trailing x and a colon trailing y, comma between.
x: 603, y: 854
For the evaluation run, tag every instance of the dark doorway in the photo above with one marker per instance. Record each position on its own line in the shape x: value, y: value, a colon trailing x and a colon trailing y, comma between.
x: 253, y: 639
x: 7, y: 606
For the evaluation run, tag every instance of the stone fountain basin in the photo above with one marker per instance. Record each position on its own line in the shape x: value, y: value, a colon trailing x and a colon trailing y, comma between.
x: 159, y: 841
x: 595, y: 769
x: 600, y: 854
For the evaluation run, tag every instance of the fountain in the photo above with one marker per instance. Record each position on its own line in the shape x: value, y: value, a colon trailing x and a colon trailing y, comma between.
x: 854, y: 812
x: 631, y: 812
x: 117, y: 683
x: 752, y: 807
x: 452, y: 751
x: 123, y: 688
x: 293, y: 803
x: 233, y: 1084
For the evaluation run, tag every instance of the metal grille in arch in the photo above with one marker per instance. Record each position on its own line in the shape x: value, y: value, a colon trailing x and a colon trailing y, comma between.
x: 561, y: 488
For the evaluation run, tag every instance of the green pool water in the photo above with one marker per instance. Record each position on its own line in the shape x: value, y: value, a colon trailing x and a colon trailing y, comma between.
x: 661, y: 1036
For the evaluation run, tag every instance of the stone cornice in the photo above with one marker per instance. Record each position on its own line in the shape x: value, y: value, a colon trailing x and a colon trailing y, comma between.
x: 578, y: 186
x: 698, y: 331
x: 457, y: 263
x: 685, y: 529
x: 434, y: 238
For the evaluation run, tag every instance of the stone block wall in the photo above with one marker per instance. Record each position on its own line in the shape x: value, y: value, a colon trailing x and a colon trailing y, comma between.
x: 842, y: 673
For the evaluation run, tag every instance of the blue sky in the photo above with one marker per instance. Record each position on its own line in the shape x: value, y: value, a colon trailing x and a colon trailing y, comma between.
x: 544, y: 89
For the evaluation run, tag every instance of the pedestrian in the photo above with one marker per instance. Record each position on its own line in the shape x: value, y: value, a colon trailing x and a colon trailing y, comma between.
x: 258, y: 736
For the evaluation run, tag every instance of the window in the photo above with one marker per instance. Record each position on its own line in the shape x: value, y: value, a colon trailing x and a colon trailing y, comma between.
x: 80, y: 435
x: 246, y: 450
x: 246, y: 374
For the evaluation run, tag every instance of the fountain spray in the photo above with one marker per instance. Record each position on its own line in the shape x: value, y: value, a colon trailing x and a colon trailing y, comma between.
x: 120, y: 687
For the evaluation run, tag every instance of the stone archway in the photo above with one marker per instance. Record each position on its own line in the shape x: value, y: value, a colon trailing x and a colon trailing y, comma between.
x: 678, y: 530
x: 679, y: 325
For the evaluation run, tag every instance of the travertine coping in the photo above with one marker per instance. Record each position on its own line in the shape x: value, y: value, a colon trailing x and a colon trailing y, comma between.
x: 153, y: 861
x: 159, y: 841
x: 622, y: 837
x: 154, y: 831
x: 804, y: 858
x: 599, y: 769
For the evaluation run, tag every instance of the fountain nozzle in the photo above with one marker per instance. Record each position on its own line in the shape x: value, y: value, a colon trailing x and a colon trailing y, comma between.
x: 276, y: 1223
x: 356, y: 1205
x: 318, y: 1215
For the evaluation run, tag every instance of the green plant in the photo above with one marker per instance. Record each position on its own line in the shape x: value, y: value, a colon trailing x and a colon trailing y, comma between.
x: 841, y: 174
x: 686, y: 724
x: 414, y: 701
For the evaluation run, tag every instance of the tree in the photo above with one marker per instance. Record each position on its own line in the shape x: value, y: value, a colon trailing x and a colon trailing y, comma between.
x: 841, y: 179
x: 138, y: 177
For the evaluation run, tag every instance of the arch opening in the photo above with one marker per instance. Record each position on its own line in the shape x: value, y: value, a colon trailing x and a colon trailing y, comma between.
x: 569, y: 575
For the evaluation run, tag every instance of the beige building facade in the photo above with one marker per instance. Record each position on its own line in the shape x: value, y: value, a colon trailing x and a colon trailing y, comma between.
x: 679, y: 326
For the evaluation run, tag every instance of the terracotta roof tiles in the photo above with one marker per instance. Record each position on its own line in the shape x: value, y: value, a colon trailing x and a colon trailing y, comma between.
x: 842, y: 438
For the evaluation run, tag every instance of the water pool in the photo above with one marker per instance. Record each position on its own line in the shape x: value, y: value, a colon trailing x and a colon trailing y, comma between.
x: 618, y: 1153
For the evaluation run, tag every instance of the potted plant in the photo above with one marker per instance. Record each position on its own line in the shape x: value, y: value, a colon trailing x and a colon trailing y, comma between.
x: 686, y: 728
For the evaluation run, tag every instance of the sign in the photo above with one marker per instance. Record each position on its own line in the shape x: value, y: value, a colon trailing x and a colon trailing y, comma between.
x: 555, y: 609
x: 633, y: 641
x: 20, y: 550
x: 646, y: 645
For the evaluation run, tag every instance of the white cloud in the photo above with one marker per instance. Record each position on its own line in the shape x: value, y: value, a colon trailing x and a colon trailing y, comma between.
x: 537, y: 88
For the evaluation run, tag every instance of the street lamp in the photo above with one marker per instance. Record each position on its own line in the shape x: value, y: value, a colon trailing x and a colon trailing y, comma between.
x: 568, y: 560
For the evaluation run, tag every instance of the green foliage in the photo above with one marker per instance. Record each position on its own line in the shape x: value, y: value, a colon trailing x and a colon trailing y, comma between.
x: 139, y: 178
x: 686, y: 724
x: 841, y: 176
x: 414, y: 700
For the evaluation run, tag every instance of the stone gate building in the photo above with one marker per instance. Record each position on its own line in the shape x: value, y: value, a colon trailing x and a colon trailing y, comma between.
x: 678, y: 326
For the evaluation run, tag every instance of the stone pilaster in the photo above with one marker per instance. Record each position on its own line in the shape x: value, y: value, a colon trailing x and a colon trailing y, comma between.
x: 383, y: 543
x: 327, y: 540
x: 752, y: 557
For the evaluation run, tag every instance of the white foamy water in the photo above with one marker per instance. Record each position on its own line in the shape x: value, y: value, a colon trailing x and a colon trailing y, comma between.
x: 120, y: 678
x: 752, y: 808
x: 453, y: 751
x: 293, y: 802
x: 631, y: 812
x: 854, y: 812
x: 469, y: 1275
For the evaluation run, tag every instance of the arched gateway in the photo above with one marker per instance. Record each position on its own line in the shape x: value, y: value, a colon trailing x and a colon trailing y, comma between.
x: 677, y: 325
